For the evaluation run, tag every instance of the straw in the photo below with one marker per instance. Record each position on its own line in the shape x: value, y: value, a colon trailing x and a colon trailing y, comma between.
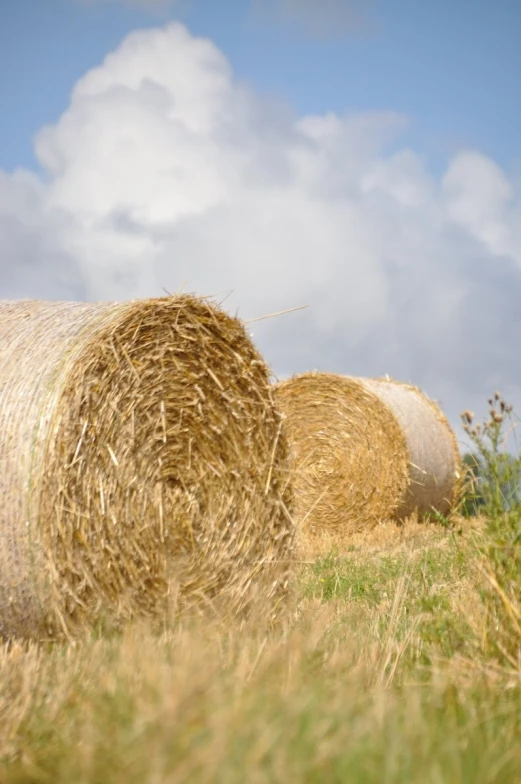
x: 364, y: 451
x: 141, y: 461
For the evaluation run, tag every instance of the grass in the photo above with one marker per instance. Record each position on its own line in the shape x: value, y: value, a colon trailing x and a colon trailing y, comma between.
x: 378, y: 674
x: 427, y: 588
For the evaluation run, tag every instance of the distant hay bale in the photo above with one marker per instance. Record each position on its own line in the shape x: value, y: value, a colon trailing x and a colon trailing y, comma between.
x: 140, y: 457
x: 365, y: 451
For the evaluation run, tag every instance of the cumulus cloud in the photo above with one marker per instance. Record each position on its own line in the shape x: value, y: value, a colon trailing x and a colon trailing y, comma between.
x: 164, y: 169
x: 32, y: 261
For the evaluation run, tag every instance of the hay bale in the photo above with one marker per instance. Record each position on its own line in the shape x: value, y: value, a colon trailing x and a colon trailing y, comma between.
x: 140, y: 455
x: 365, y: 451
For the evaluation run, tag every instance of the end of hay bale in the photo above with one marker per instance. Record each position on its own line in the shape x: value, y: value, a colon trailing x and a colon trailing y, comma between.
x: 139, y: 450
x: 349, y: 460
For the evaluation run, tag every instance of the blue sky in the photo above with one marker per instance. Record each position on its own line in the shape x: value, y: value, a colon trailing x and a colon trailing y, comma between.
x: 451, y: 66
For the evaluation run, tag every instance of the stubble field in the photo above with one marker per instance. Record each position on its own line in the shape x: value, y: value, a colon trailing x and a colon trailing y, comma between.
x: 380, y: 670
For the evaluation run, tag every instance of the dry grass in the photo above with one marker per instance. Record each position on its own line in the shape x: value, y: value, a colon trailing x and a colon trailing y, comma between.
x: 142, y: 463
x: 376, y: 675
x: 390, y: 536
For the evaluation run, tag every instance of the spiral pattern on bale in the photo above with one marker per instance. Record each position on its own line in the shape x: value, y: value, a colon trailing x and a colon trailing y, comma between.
x: 141, y: 458
x: 365, y: 451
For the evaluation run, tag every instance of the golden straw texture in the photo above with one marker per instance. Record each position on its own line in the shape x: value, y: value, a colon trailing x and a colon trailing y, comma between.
x: 348, y: 453
x: 364, y: 451
x: 141, y: 459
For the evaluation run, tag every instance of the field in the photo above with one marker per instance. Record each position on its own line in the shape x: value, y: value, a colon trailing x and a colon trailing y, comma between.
x: 381, y: 671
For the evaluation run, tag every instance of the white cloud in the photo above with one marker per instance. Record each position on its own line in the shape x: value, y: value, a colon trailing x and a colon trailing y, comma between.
x: 478, y: 197
x: 163, y: 170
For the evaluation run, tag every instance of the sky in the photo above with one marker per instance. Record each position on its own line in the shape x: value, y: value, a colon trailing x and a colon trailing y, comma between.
x: 362, y: 158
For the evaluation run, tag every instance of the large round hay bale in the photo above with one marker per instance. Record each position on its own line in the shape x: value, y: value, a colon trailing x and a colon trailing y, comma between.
x: 140, y: 457
x: 365, y: 451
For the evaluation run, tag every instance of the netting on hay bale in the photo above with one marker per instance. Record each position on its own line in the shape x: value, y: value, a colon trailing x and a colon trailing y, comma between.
x: 365, y: 451
x: 434, y: 461
x: 140, y: 455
